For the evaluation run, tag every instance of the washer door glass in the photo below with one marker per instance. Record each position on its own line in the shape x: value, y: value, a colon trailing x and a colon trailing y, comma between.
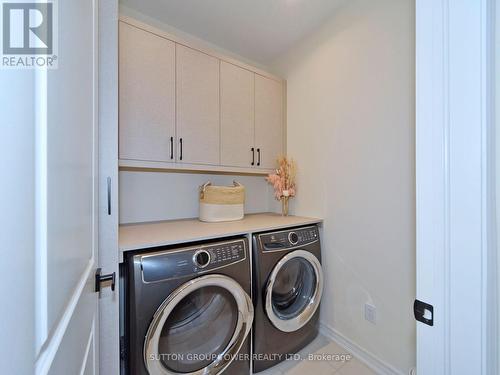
x: 198, y: 329
x: 294, y: 290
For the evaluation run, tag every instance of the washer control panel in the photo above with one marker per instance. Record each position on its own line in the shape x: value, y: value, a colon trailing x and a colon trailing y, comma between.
x: 190, y: 261
x: 225, y: 254
x: 289, y: 238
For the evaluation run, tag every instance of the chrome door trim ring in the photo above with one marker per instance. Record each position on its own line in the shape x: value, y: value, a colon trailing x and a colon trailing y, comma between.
x: 243, y: 325
x: 291, y: 325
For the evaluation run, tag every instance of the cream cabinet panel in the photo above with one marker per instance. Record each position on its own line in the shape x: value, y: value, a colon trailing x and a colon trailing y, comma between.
x: 198, y: 127
x: 268, y: 121
x: 237, y: 116
x: 147, y: 95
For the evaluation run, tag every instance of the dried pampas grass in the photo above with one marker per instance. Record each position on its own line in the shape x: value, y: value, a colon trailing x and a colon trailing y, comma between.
x: 283, y: 180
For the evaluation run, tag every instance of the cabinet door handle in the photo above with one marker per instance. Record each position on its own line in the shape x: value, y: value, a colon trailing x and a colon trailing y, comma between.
x: 258, y: 153
x: 253, y: 155
x: 180, y: 156
x: 171, y: 148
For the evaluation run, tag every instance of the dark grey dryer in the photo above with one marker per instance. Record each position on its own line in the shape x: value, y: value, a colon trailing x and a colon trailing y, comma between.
x: 288, y: 283
x: 188, y: 309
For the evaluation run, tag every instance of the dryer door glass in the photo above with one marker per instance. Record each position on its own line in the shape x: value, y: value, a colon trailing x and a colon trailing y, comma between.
x: 198, y: 329
x: 294, y: 290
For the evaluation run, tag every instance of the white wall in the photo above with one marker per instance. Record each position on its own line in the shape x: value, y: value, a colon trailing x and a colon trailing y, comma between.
x: 195, y: 41
x: 351, y: 128
x: 152, y: 196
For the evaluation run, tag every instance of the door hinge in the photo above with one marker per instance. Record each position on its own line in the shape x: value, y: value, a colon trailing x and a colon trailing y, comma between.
x: 423, y: 312
x: 123, y: 348
x: 99, y: 279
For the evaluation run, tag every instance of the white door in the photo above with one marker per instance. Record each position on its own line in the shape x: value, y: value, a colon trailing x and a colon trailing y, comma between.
x: 197, y: 107
x: 268, y: 121
x: 455, y: 252
x: 237, y: 116
x: 147, y: 95
x: 17, y: 227
x: 66, y: 309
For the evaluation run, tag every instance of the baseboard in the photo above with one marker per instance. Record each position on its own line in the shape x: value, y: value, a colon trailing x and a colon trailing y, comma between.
x: 369, y: 359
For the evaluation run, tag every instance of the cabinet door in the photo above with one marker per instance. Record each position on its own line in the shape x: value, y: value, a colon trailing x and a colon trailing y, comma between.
x: 147, y: 95
x: 268, y: 120
x: 198, y: 126
x: 237, y: 115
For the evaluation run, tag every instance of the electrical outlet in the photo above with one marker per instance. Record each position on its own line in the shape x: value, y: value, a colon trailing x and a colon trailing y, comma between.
x: 370, y: 313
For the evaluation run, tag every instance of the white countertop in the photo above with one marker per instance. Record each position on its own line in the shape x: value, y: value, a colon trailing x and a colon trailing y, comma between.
x: 161, y: 233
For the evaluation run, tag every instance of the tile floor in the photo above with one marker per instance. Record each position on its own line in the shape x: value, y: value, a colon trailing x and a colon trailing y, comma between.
x: 330, y: 362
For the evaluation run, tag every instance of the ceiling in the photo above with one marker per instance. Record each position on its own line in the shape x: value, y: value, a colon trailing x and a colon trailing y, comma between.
x: 258, y: 30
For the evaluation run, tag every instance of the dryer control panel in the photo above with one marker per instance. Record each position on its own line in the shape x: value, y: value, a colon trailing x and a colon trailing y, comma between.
x: 289, y: 238
x: 189, y: 261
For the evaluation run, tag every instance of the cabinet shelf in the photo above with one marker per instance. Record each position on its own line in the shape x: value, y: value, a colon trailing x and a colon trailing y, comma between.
x: 152, y: 166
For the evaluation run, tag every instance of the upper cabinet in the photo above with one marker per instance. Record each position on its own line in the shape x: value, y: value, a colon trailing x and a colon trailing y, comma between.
x: 147, y: 95
x: 268, y: 121
x: 192, y: 109
x: 237, y: 115
x: 198, y: 125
